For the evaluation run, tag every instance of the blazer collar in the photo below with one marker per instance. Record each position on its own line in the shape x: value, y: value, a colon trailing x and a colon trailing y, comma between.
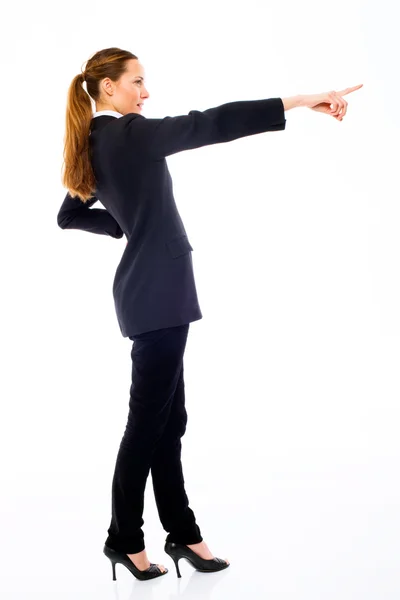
x: 114, y: 113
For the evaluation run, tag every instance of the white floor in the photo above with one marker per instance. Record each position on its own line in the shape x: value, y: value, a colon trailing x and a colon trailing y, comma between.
x: 301, y: 526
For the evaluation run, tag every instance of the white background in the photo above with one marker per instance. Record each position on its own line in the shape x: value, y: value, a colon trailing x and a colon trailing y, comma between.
x: 291, y: 455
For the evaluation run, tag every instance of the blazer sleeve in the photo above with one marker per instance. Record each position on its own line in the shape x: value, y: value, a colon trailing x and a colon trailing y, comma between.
x: 75, y: 214
x: 162, y: 137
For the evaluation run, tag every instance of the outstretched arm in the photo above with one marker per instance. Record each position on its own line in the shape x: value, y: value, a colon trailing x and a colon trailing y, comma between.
x: 75, y: 214
x: 159, y: 138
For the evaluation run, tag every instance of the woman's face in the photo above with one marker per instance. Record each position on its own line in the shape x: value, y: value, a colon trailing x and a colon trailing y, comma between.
x: 125, y: 94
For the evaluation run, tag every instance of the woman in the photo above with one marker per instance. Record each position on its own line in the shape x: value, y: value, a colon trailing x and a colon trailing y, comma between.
x: 118, y: 156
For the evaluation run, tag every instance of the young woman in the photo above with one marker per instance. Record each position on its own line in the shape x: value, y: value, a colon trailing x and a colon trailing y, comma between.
x: 118, y: 156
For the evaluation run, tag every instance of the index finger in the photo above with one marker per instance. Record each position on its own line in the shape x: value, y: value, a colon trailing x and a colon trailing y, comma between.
x: 349, y: 90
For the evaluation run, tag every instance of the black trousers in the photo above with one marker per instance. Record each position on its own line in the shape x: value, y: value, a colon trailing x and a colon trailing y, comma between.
x: 152, y: 441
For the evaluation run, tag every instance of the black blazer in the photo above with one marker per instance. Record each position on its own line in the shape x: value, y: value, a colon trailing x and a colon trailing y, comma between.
x: 154, y: 285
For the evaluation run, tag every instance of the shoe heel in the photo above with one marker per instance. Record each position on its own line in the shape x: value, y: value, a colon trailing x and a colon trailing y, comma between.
x: 113, y: 570
x: 176, y: 560
x: 174, y: 557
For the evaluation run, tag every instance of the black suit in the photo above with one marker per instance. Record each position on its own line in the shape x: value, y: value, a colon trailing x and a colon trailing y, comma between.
x: 155, y: 295
x: 154, y: 285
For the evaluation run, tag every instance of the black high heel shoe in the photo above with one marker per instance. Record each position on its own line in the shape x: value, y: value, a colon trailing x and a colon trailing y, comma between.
x: 178, y: 551
x: 120, y: 557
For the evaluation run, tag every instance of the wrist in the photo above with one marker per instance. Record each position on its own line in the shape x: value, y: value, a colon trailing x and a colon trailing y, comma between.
x: 301, y: 100
x: 293, y: 101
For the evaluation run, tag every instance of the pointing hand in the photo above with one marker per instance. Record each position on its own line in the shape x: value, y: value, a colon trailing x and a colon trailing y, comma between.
x: 330, y: 103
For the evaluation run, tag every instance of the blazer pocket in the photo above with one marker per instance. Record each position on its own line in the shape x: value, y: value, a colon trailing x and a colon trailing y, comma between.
x: 179, y: 246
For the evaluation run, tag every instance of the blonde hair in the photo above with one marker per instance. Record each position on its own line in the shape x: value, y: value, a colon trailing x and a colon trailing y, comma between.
x: 78, y: 176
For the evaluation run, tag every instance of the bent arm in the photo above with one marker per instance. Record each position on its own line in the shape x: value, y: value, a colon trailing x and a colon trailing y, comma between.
x: 75, y: 214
